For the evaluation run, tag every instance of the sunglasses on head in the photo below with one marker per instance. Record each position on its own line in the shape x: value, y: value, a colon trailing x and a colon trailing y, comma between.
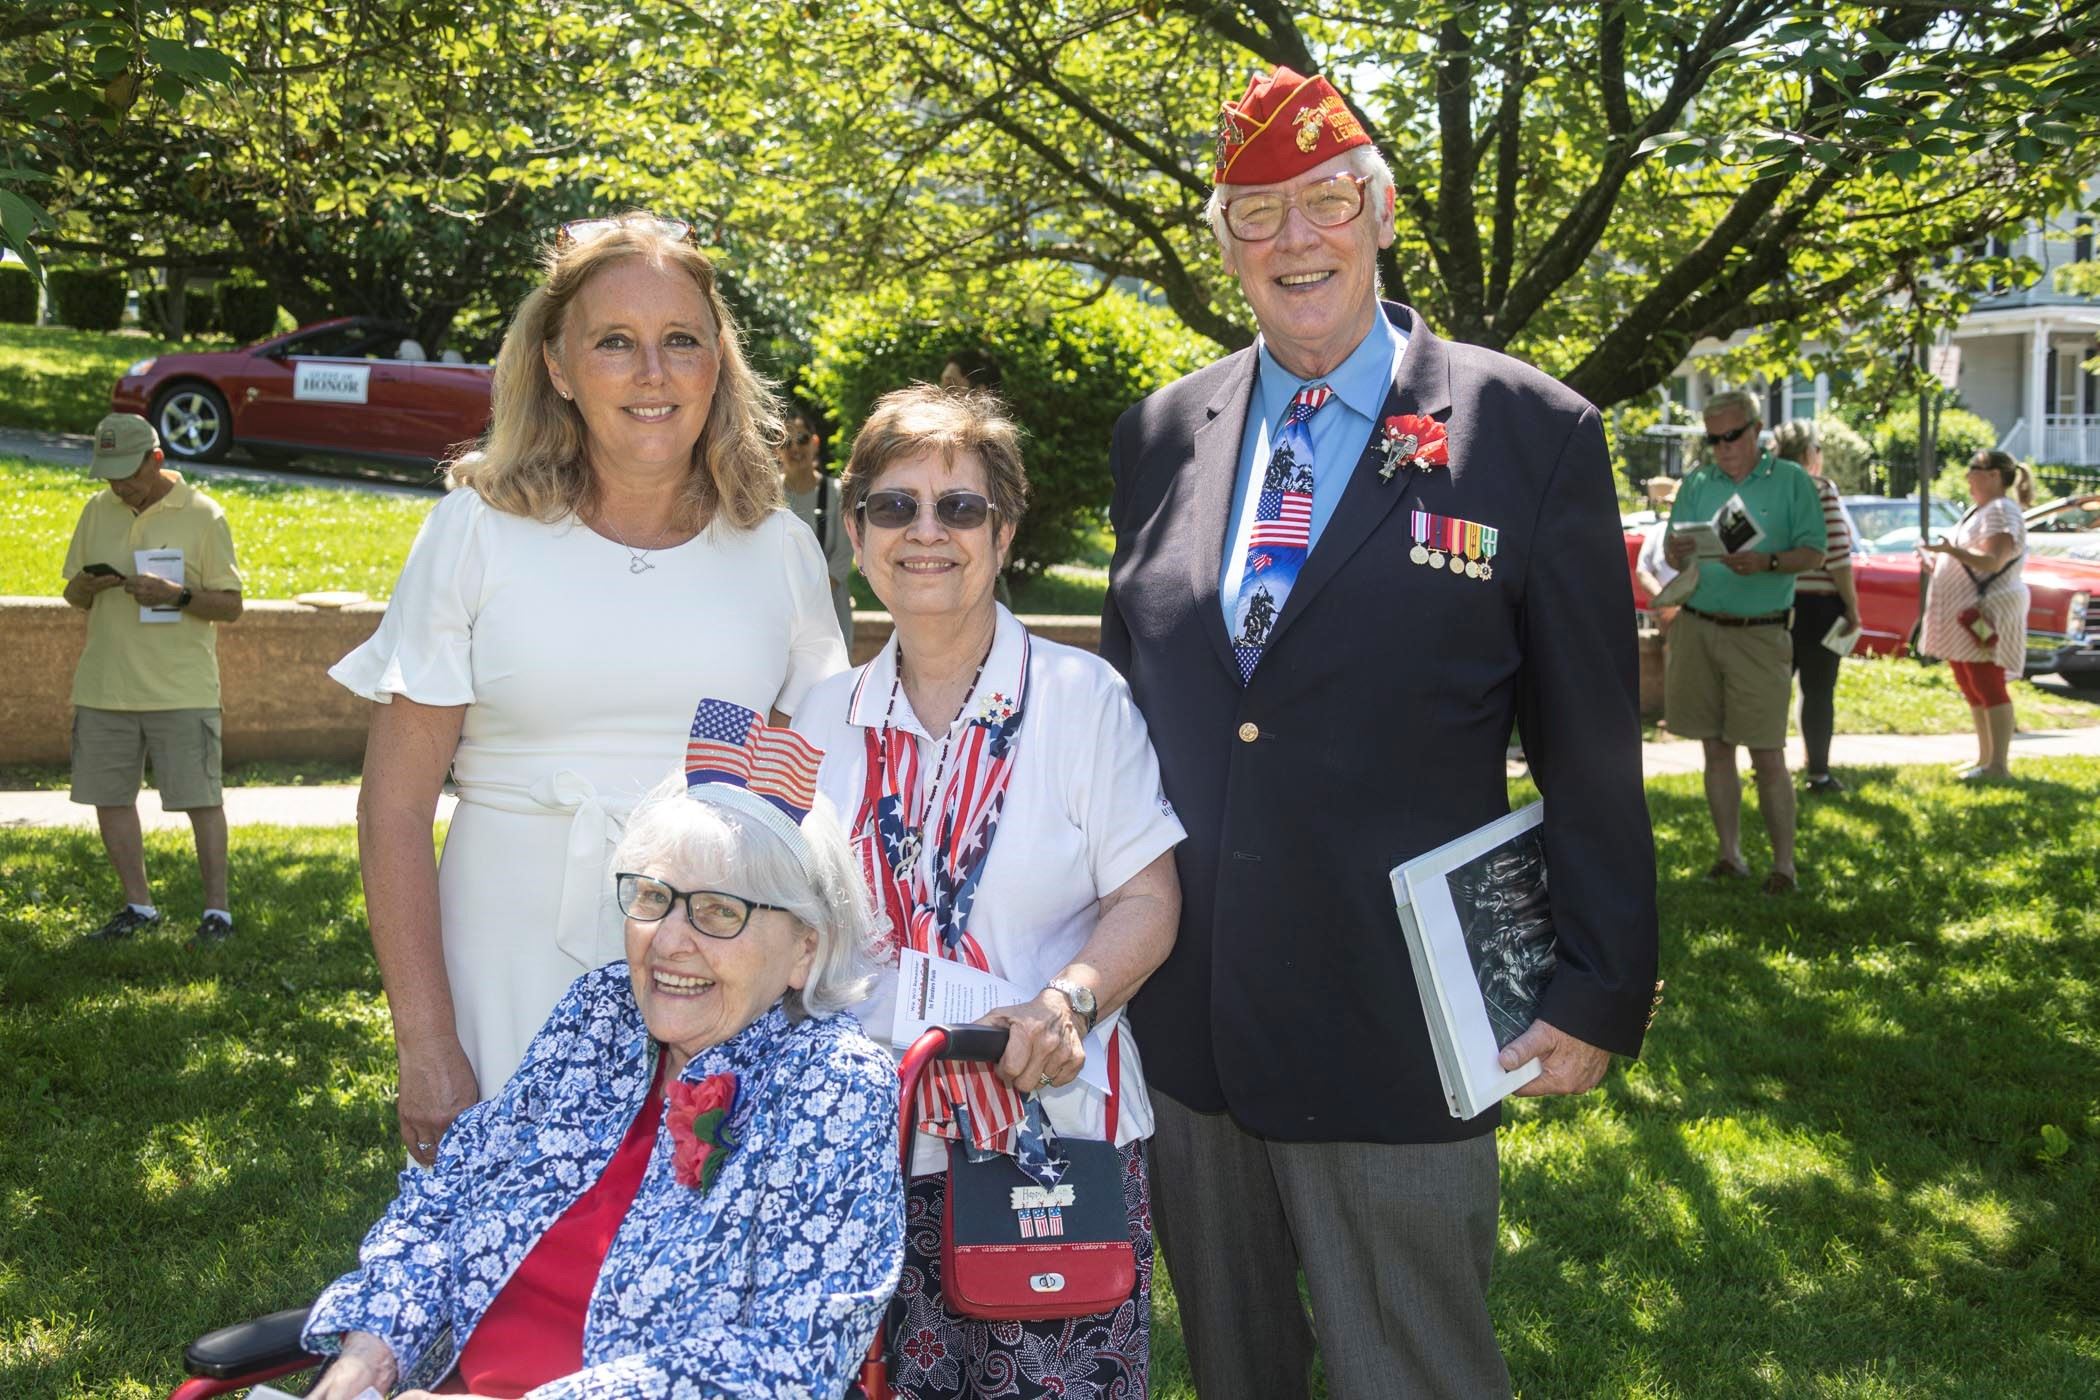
x: 1715, y: 439
x: 893, y: 510
x: 591, y: 230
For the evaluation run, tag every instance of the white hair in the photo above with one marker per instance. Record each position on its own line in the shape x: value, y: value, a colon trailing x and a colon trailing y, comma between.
x: 1362, y: 160
x: 826, y: 895
x: 1753, y: 411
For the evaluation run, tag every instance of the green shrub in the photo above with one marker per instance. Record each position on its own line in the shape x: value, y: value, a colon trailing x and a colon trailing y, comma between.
x: 1961, y: 435
x: 17, y: 296
x: 1067, y: 378
x: 247, y: 309
x: 200, y: 311
x: 1848, y: 458
x: 87, y: 298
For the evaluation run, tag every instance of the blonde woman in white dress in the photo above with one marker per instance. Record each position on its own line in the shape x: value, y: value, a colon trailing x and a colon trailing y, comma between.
x: 614, y: 549
x: 1976, y: 605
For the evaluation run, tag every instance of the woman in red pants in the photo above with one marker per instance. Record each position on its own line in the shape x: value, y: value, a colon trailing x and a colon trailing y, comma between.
x: 1976, y: 608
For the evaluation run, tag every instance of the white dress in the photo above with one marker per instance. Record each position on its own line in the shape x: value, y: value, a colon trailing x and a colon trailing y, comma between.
x: 2005, y: 602
x: 580, y: 679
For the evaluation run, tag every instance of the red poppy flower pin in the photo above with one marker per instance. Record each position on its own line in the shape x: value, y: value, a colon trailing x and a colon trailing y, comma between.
x: 700, y: 1136
x: 1413, y: 440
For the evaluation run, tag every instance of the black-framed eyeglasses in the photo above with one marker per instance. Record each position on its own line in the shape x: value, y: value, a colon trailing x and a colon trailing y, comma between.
x: 894, y: 510
x: 1258, y: 217
x: 1716, y: 439
x: 713, y: 913
x: 591, y: 230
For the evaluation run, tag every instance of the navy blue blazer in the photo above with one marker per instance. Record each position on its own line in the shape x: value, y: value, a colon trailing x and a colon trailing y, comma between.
x: 1374, y: 729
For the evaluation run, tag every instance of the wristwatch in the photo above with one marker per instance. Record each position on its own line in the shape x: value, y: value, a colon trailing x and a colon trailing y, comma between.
x: 1771, y: 563
x: 1082, y: 1000
x: 182, y: 600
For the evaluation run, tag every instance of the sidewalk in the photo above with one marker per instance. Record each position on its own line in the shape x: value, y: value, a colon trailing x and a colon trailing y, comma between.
x: 336, y: 805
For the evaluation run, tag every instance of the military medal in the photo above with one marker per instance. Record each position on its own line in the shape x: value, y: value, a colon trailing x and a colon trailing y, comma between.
x: 1436, y: 551
x: 1488, y: 536
x: 1418, y: 526
x: 1472, y: 550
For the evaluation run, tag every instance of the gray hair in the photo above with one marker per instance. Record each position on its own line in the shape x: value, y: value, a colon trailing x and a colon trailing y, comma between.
x: 1796, y: 438
x: 827, y: 895
x: 1753, y: 411
x: 1363, y: 160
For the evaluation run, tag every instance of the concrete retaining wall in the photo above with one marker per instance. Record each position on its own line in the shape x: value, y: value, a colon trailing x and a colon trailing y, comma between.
x: 273, y: 676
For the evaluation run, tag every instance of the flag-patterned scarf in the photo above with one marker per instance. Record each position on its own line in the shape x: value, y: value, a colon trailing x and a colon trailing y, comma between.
x: 929, y: 901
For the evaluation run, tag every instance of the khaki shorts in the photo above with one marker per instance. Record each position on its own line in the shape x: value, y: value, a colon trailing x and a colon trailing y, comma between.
x: 1728, y: 683
x: 110, y: 748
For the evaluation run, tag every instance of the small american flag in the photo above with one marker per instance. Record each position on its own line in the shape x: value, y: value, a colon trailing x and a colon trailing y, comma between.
x: 1292, y: 527
x: 730, y: 744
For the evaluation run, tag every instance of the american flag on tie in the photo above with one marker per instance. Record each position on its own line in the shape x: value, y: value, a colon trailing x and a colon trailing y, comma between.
x: 1284, y: 520
x: 731, y: 744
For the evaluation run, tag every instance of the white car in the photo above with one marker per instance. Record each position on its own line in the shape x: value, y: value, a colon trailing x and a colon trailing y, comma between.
x: 2069, y: 527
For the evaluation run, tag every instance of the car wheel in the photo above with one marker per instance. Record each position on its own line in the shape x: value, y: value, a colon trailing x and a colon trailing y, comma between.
x: 2086, y: 682
x: 193, y: 423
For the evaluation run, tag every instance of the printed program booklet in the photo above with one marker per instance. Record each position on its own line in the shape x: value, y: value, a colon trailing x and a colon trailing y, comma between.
x: 1479, y: 930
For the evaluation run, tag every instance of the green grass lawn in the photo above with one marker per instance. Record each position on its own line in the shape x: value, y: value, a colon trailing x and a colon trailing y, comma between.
x: 59, y: 379
x: 1860, y: 1158
x: 291, y: 538
x: 1895, y: 695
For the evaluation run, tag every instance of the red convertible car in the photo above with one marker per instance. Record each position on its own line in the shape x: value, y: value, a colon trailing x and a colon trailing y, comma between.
x: 1885, y: 571
x: 353, y: 387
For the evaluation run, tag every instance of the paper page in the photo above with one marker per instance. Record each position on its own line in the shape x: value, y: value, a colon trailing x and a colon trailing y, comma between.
x: 1706, y: 542
x: 161, y: 563
x: 1840, y: 638
x: 936, y: 992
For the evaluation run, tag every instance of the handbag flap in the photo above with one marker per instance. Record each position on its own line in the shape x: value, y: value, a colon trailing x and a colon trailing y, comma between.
x: 994, y: 1202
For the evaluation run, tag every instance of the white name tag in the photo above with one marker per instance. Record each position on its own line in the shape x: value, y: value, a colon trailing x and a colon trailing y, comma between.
x: 325, y: 383
x: 1041, y: 1197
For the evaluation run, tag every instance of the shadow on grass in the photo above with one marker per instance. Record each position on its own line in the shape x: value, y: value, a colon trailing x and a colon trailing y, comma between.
x: 1824, y: 1176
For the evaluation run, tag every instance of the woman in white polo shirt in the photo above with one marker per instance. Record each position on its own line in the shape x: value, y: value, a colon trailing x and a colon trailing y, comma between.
x: 1003, y: 797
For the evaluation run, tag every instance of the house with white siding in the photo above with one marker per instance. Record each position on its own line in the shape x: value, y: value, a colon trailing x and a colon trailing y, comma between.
x: 2023, y: 358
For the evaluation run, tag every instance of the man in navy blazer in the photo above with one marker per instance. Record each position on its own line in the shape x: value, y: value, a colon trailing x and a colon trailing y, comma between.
x: 1348, y: 562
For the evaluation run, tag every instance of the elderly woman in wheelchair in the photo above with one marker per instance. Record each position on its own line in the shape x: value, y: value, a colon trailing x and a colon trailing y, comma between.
x: 690, y: 1187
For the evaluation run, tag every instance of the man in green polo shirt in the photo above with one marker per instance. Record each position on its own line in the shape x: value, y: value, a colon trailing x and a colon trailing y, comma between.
x: 151, y: 563
x: 1729, y: 667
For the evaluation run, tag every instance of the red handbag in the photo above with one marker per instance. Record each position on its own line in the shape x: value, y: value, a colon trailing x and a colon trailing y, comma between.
x: 1013, y: 1250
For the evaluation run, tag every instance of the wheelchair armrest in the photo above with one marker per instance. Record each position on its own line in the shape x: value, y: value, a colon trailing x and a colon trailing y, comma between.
x: 259, y: 1344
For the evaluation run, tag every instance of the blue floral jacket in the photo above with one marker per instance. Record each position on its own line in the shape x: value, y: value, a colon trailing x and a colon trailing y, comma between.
x: 771, y: 1284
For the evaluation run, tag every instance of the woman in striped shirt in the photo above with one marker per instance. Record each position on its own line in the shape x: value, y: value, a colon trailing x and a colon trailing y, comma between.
x: 1821, y: 596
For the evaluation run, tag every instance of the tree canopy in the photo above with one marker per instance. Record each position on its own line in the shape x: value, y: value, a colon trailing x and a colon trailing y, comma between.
x: 1594, y: 187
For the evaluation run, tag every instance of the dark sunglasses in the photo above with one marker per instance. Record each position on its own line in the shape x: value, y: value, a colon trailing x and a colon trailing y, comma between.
x: 893, y: 510
x: 1715, y: 439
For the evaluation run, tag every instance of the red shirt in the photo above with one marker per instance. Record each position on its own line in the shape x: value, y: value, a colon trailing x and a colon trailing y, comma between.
x: 533, y: 1330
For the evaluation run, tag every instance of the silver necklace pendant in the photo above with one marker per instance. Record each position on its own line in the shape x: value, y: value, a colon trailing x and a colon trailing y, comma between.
x: 907, y: 854
x: 639, y: 564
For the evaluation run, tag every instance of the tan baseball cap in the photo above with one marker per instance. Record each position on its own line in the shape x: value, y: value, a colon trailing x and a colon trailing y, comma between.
x: 122, y: 441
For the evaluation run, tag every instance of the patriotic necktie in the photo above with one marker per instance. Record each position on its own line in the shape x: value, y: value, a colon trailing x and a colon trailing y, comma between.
x: 1282, y: 531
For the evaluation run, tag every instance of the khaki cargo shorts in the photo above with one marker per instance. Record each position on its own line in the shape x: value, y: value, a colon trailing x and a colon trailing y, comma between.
x: 1728, y: 683
x: 110, y: 748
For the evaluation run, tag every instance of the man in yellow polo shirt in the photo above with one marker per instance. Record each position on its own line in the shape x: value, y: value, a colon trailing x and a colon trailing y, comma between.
x: 1728, y: 672
x: 148, y: 680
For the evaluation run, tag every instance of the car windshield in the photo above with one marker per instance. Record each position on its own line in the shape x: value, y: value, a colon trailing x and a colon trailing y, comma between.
x: 1891, y: 527
x: 354, y: 342
x: 2073, y: 517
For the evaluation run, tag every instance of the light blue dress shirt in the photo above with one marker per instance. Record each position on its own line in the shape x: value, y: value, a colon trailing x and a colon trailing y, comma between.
x: 1340, y: 432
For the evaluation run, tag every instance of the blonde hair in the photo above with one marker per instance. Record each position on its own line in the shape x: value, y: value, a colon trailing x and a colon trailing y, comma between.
x: 2013, y: 474
x: 534, y: 459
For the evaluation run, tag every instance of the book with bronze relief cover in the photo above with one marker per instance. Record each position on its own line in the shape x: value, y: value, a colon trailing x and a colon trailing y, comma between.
x: 1479, y: 930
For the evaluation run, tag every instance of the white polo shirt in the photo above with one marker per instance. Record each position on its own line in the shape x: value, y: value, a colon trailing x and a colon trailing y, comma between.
x: 1084, y: 813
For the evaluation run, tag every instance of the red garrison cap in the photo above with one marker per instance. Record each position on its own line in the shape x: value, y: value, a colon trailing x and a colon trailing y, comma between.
x: 1284, y: 126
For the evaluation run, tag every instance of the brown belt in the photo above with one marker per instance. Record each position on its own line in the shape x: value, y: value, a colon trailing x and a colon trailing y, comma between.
x: 1778, y: 619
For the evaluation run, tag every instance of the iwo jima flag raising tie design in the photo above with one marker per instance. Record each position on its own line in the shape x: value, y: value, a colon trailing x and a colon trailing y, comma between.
x: 1282, y: 531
